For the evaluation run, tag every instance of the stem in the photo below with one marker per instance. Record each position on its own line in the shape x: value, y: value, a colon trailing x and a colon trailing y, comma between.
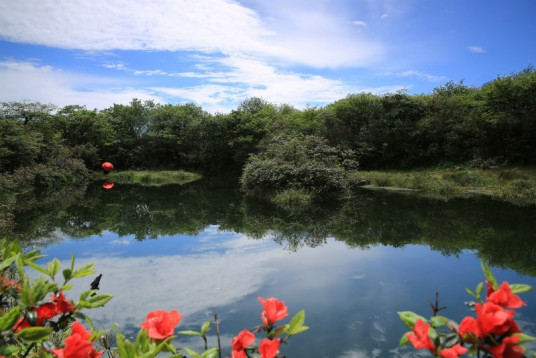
x: 28, y: 350
x: 218, y: 334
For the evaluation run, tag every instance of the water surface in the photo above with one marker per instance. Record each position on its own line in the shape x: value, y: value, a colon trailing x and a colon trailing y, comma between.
x: 203, y: 248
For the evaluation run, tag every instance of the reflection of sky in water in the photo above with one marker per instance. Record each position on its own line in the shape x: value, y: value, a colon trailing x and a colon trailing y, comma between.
x: 350, y: 296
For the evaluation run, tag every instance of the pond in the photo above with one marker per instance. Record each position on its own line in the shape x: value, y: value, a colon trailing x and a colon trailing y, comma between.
x: 203, y: 248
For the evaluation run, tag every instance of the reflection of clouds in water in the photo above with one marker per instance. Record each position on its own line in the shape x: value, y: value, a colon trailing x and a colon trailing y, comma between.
x: 378, y: 332
x: 188, y: 283
x: 356, y: 353
x: 122, y: 242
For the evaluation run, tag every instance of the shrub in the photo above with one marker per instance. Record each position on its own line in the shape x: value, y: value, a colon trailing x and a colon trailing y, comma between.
x: 297, y: 162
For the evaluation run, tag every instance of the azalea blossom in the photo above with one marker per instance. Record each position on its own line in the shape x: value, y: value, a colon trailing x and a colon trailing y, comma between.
x: 62, y: 305
x: 77, y: 345
x: 240, y: 342
x: 269, y: 347
x: 508, y: 348
x: 274, y: 310
x: 493, y: 319
x: 453, y: 352
x: 161, y: 324
x: 504, y: 297
x: 419, y: 338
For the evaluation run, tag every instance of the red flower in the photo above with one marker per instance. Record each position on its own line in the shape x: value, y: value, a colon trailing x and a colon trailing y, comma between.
x: 268, y: 348
x: 504, y: 297
x: 77, y: 345
x: 160, y: 324
x: 62, y: 305
x: 45, y: 312
x: 419, y: 338
x: 494, y: 319
x: 489, y: 289
x: 274, y: 310
x: 6, y: 283
x: 240, y: 342
x: 453, y: 352
x: 509, y: 348
x: 469, y: 329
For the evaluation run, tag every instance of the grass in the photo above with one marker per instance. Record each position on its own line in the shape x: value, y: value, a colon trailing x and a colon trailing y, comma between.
x: 515, y: 185
x: 292, y: 196
x: 152, y: 177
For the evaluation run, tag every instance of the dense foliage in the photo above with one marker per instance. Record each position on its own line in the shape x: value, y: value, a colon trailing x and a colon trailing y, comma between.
x: 455, y: 124
x: 296, y: 162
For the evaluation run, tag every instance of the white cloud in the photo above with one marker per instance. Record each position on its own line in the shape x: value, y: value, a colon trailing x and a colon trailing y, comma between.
x: 418, y: 74
x: 359, y: 23
x: 24, y: 80
x: 476, y: 49
x: 246, y: 77
x: 314, y: 37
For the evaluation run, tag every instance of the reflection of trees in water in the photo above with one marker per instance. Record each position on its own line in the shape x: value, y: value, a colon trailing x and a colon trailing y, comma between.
x: 501, y: 233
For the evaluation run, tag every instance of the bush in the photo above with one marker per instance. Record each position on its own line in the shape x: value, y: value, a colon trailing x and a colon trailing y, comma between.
x: 299, y: 163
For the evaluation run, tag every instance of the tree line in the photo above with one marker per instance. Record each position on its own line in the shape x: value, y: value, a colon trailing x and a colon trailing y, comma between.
x: 456, y: 124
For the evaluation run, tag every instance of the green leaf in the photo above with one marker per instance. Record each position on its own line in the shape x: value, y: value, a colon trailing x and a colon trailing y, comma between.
x: 296, y: 323
x: 210, y: 353
x: 84, y: 270
x: 524, y: 338
x: 67, y: 274
x: 479, y: 289
x: 190, y: 333
x: 432, y: 333
x: 37, y: 267
x: 121, y: 346
x: 205, y: 327
x: 281, y: 330
x: 194, y: 354
x: 6, y: 263
x: 404, y: 340
x: 99, y: 300
x: 8, y: 350
x: 520, y: 288
x: 8, y: 320
x: 409, y: 318
x: 31, y: 256
x: 35, y: 334
x: 489, y: 275
x: 20, y: 265
x: 53, y: 267
x: 471, y: 293
x: 66, y: 287
x: 26, y: 297
x: 86, y: 294
x: 437, y: 321
x: 142, y: 341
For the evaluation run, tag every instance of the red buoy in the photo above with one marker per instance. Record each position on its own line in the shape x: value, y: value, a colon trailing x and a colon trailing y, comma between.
x: 107, y: 166
x: 108, y: 185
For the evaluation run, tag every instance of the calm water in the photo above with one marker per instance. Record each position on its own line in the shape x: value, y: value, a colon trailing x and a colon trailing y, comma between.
x: 203, y: 249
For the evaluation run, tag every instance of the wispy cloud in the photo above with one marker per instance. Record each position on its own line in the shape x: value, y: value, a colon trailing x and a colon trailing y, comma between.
x: 476, y: 49
x: 359, y: 23
x: 418, y: 74
x: 230, y: 80
x: 35, y: 82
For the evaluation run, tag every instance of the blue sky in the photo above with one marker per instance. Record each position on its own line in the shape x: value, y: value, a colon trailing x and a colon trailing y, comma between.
x: 216, y: 53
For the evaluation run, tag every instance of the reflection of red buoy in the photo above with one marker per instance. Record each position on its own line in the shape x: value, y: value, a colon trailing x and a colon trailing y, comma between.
x: 108, y: 185
x: 107, y: 166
